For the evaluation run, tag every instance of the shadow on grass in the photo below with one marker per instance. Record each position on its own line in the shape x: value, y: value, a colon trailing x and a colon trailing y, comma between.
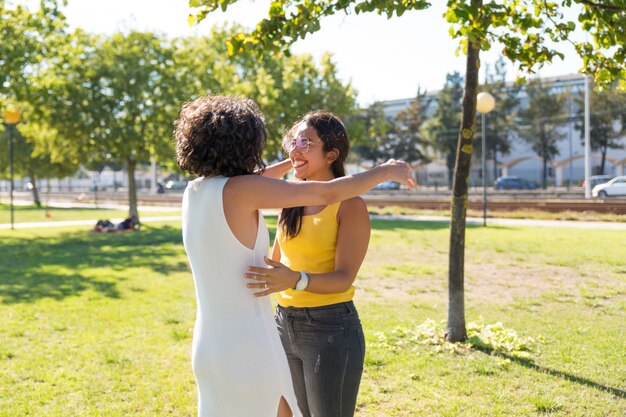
x: 55, y: 267
x: 530, y: 364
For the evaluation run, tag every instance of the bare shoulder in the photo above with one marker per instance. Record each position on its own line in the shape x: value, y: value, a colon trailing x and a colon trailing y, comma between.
x: 261, y: 183
x: 245, y: 179
x: 242, y: 185
x: 353, y: 205
x: 353, y: 208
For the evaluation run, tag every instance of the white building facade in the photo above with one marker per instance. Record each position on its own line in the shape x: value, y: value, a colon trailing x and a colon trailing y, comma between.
x: 567, y: 168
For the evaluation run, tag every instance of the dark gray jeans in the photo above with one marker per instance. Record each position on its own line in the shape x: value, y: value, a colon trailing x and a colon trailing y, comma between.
x: 325, y: 348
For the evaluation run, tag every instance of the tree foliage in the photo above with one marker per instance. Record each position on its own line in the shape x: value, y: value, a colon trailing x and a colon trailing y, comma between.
x: 113, y: 99
x: 27, y: 37
x: 377, y: 137
x: 501, y: 122
x: 526, y: 29
x: 540, y: 119
x: 285, y: 87
x: 441, y: 129
x: 368, y: 131
x: 29, y: 159
x: 407, y: 141
x: 607, y: 121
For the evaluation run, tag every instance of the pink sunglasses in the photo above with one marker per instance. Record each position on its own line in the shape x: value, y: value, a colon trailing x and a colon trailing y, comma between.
x: 303, y: 144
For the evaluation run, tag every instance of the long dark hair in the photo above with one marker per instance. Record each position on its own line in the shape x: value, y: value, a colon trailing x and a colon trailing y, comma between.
x: 334, y: 135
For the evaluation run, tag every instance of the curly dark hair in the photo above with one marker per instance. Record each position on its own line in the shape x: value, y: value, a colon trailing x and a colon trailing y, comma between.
x: 220, y: 135
x: 334, y: 136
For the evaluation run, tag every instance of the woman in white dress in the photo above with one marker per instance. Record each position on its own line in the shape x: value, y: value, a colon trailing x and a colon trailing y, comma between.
x: 237, y: 357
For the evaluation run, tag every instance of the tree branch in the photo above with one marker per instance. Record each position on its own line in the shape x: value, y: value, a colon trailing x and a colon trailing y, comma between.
x: 603, y: 6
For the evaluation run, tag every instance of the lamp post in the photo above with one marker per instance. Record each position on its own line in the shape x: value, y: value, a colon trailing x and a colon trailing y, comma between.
x: 587, y: 141
x: 484, y: 104
x: 11, y: 118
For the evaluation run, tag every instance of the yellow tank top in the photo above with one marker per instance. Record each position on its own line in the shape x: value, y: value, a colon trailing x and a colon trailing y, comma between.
x: 312, y: 250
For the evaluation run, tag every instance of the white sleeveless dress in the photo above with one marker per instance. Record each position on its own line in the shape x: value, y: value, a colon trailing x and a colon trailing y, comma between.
x: 237, y: 357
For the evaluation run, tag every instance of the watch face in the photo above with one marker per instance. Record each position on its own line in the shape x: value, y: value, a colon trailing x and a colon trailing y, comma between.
x: 303, y: 282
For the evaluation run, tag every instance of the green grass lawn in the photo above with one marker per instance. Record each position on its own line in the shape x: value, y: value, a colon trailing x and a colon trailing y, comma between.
x: 27, y: 214
x: 590, y: 216
x: 101, y: 325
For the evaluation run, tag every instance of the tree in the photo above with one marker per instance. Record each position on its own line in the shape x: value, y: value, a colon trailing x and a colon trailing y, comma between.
x: 540, y: 121
x: 112, y: 98
x: 369, y: 130
x: 523, y: 27
x: 32, y: 160
x: 442, y: 127
x: 406, y: 141
x: 298, y: 86
x: 501, y: 122
x: 26, y: 38
x: 607, y: 121
x: 285, y: 87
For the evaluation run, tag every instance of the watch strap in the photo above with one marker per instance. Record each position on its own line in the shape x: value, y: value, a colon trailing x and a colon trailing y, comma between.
x: 303, y: 282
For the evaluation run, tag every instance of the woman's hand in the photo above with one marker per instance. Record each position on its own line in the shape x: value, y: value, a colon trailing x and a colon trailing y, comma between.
x: 276, y: 278
x: 401, y: 172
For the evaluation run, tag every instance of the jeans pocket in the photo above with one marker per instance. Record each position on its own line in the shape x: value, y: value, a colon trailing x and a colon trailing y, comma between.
x: 328, y: 323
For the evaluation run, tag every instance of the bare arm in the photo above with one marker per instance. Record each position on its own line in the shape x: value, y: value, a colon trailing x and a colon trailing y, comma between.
x: 276, y: 250
x: 278, y: 170
x: 352, y: 242
x: 252, y: 192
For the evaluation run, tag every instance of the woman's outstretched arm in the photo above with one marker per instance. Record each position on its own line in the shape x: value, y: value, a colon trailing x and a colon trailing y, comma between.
x: 252, y: 192
x: 278, y: 170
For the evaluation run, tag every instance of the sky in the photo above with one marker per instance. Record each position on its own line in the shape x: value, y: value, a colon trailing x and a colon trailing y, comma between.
x: 383, y: 59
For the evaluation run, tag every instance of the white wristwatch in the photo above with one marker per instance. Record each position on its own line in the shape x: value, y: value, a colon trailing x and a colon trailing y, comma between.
x: 303, y: 282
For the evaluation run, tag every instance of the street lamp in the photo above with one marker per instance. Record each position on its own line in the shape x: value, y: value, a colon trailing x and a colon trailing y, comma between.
x: 11, y: 118
x: 484, y: 104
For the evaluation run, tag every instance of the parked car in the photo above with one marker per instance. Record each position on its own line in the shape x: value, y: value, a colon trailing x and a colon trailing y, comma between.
x: 615, y: 187
x: 598, y: 179
x: 175, y: 185
x: 388, y: 185
x: 511, y: 182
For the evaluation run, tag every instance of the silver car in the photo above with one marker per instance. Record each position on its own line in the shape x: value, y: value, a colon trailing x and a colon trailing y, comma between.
x: 615, y: 187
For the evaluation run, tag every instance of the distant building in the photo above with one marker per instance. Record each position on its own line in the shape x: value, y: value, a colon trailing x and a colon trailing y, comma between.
x: 522, y: 160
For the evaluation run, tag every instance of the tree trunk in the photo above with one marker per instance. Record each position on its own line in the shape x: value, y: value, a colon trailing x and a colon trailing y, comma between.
x: 132, y: 188
x: 603, y: 163
x: 33, y: 181
x: 545, y: 173
x: 495, y: 162
x: 455, y: 327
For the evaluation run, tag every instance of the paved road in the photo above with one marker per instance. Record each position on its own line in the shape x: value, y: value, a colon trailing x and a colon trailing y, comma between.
x: 90, y: 223
x: 470, y: 220
x: 442, y: 219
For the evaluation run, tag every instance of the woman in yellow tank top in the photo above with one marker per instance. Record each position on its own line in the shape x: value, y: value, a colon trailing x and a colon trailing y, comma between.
x: 317, y: 253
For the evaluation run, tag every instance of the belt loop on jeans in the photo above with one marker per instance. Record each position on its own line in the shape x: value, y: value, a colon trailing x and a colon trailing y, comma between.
x: 307, y: 313
x: 350, y: 307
